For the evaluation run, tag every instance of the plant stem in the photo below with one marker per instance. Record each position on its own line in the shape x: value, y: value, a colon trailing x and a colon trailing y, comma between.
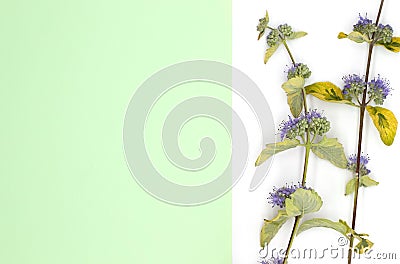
x: 308, y: 148
x: 288, y: 50
x: 363, y: 105
x: 292, y: 236
x: 307, y: 144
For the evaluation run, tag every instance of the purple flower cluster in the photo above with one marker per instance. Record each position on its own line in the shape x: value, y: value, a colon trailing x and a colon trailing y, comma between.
x: 273, y: 260
x: 379, y: 89
x: 278, y: 196
x: 298, y: 70
x: 353, y: 85
x: 381, y: 33
x: 352, y: 164
x: 364, y: 26
x: 292, y: 128
x: 363, y: 21
x: 314, y: 121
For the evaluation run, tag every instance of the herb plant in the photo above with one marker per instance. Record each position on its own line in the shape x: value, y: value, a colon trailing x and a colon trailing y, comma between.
x: 308, y: 128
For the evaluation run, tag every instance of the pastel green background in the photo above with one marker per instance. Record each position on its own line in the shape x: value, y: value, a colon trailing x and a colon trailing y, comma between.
x: 67, y: 72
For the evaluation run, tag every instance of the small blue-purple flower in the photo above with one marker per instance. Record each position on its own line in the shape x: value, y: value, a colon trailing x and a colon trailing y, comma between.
x: 354, y: 85
x: 379, y: 89
x: 365, y: 26
x: 352, y: 164
x: 273, y: 260
x: 382, y: 33
x: 298, y: 70
x: 278, y: 196
x: 293, y: 128
x: 297, y: 127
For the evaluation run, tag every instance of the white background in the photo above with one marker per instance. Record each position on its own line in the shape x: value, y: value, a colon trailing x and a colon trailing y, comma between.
x: 329, y: 59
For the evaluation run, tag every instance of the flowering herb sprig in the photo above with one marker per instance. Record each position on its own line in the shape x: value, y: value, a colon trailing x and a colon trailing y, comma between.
x: 305, y: 128
x: 308, y: 128
x: 362, y: 92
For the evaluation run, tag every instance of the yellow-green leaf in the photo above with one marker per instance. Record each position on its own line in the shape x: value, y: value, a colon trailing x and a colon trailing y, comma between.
x: 342, y: 35
x: 274, y: 148
x: 393, y: 46
x: 358, y: 37
x: 363, y: 246
x: 266, y: 16
x: 342, y: 227
x: 294, y: 91
x: 331, y: 150
x: 271, y: 227
x: 385, y: 121
x: 297, y: 35
x: 293, y: 85
x: 295, y: 102
x: 328, y: 92
x: 269, y: 52
x: 303, y: 202
x: 351, y: 186
x: 354, y: 36
x: 366, y: 181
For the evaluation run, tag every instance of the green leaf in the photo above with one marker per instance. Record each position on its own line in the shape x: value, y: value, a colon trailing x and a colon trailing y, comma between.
x: 354, y: 36
x: 271, y: 227
x: 303, y: 202
x: 351, y: 186
x: 385, y: 121
x: 328, y: 92
x: 269, y: 52
x: 342, y: 227
x: 275, y: 148
x: 393, y: 46
x: 267, y: 16
x: 367, y: 181
x: 363, y: 246
x: 358, y: 37
x: 297, y: 35
x: 331, y: 150
x: 294, y: 91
